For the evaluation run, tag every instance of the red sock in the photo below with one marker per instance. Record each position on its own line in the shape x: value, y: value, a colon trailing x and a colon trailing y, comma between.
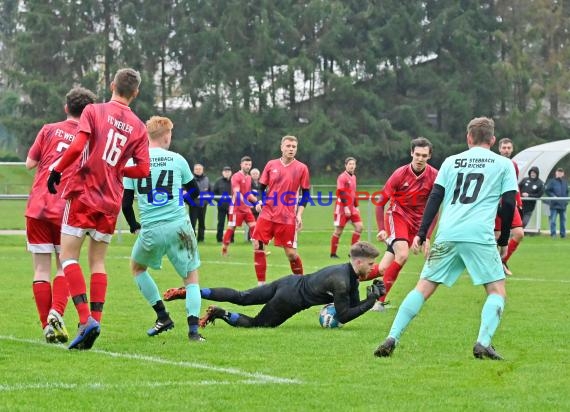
x: 374, y: 273
x: 390, y: 277
x: 42, y: 296
x: 98, y: 290
x: 60, y: 294
x: 260, y: 263
x: 296, y: 265
x: 227, y: 237
x: 513, y: 245
x: 355, y: 237
x: 77, y: 290
x: 334, y: 244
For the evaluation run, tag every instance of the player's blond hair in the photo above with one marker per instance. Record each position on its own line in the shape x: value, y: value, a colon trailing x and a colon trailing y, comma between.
x: 363, y: 250
x: 289, y: 138
x: 158, y: 126
x: 482, y: 130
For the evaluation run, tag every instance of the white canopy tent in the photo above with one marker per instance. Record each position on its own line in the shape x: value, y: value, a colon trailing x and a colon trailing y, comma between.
x: 545, y: 157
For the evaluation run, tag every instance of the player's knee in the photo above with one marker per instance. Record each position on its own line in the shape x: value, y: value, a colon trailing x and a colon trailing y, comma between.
x: 41, y: 276
x: 292, y: 256
x: 518, y: 234
x: 137, y: 268
x: 402, y: 257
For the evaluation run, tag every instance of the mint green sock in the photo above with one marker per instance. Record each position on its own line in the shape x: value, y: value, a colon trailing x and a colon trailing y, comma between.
x: 490, y: 318
x: 148, y: 288
x: 193, y: 300
x: 408, y: 310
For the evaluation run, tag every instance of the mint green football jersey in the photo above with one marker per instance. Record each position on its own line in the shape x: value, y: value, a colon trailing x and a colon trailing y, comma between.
x: 160, y: 195
x: 474, y: 182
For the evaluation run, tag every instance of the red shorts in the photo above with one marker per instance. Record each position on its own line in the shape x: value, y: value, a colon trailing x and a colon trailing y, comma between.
x: 236, y: 219
x: 398, y: 229
x: 283, y: 235
x: 517, y: 221
x: 43, y: 235
x: 340, y: 219
x: 79, y: 220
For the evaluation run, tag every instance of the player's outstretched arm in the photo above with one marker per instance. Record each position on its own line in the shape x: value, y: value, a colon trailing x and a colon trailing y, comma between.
x: 345, y: 313
x: 128, y: 211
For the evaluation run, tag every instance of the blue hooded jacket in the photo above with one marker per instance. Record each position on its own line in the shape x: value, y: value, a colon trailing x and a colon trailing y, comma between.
x: 557, y: 187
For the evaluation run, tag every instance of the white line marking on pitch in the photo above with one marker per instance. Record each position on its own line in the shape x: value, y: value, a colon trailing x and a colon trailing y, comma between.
x: 260, y: 377
x: 98, y: 385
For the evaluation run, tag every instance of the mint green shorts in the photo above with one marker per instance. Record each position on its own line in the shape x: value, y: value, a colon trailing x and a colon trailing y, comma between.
x: 449, y: 259
x: 176, y: 240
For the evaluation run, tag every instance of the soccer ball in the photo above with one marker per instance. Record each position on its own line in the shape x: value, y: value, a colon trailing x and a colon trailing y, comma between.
x: 327, y: 317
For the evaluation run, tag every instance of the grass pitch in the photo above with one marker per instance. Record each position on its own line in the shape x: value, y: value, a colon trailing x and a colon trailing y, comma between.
x: 298, y: 366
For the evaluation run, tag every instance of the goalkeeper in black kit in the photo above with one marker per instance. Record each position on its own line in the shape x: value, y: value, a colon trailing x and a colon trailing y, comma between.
x: 291, y: 294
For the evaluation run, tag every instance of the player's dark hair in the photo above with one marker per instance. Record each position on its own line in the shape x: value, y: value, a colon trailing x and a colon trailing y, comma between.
x: 76, y: 100
x: 363, y: 250
x: 421, y: 142
x: 127, y: 82
x: 505, y: 140
x: 348, y: 159
x: 482, y: 130
x: 245, y: 159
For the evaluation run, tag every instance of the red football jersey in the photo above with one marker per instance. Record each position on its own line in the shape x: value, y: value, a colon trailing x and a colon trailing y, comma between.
x: 518, y: 198
x: 283, y: 183
x: 408, y: 193
x: 116, y: 134
x: 346, y: 183
x: 50, y: 143
x: 239, y: 198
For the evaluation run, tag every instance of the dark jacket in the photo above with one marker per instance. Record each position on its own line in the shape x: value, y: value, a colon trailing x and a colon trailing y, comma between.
x: 204, y: 185
x: 223, y: 186
x: 534, y: 187
x: 557, y: 188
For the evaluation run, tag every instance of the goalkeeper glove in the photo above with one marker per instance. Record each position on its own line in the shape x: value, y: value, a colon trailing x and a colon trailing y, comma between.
x: 53, y: 180
x: 136, y: 226
x: 376, y: 289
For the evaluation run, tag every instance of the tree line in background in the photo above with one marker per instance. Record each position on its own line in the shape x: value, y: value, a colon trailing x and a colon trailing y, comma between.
x: 350, y: 77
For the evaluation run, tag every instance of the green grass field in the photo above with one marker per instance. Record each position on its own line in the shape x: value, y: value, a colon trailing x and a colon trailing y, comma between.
x: 15, y: 179
x: 298, y: 366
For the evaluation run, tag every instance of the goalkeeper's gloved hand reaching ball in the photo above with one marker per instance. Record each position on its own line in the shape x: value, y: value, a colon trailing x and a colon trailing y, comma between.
x: 376, y: 289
